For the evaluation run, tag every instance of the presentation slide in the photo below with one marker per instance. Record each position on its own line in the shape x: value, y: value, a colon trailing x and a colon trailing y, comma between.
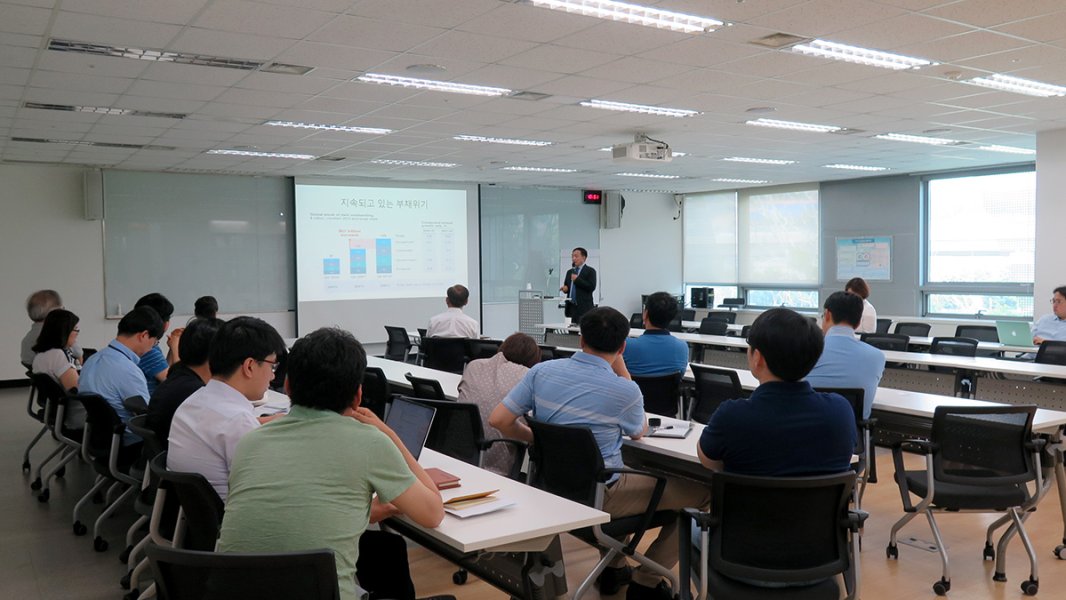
x: 364, y: 243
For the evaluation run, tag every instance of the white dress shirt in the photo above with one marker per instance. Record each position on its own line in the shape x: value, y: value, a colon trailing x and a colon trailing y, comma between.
x: 868, y: 324
x: 453, y: 323
x: 205, y: 432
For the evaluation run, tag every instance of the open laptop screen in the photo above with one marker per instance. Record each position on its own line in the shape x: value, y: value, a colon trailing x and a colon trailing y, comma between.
x: 411, y: 422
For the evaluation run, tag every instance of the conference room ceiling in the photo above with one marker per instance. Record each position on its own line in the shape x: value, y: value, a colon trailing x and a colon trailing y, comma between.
x: 567, y: 58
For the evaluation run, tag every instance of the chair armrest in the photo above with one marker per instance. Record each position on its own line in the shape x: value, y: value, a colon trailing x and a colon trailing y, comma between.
x: 1036, y: 444
x: 868, y: 423
x: 855, y: 519
x: 922, y: 447
x: 702, y: 518
x: 520, y: 448
x: 136, y: 405
x: 649, y: 512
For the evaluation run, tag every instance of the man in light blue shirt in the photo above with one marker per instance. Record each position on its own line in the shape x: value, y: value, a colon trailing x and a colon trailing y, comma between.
x: 846, y: 362
x: 153, y: 364
x: 1052, y: 326
x: 657, y: 352
x: 113, y: 372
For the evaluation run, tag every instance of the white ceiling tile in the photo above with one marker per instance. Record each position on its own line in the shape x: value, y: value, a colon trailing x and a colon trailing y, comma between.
x: 899, y: 31
x: 962, y: 47
x: 24, y: 19
x: 158, y: 11
x: 989, y: 13
x: 621, y: 38
x: 474, y: 47
x: 1016, y: 61
x: 336, y: 56
x: 52, y: 96
x: 707, y: 80
x: 21, y: 40
x: 703, y: 51
x: 513, y: 78
x: 197, y: 74
x: 770, y: 64
x: 262, y: 19
x: 156, y: 104
x: 560, y: 59
x: 436, y: 13
x: 260, y: 98
x: 1044, y: 28
x: 276, y: 82
x: 79, y: 82
x: 823, y: 17
x: 454, y: 69
x: 537, y: 25
x: 581, y: 87
x: 244, y: 111
x: 635, y: 70
x: 374, y: 34
x: 109, y: 30
x: 182, y: 91
x: 18, y: 57
x: 228, y: 44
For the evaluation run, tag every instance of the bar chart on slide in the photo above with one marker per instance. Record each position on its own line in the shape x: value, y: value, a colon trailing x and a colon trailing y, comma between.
x: 383, y: 255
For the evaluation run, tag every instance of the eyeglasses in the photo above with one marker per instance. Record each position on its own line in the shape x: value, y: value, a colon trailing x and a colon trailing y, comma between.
x: 76, y: 330
x: 273, y: 365
x: 1058, y: 301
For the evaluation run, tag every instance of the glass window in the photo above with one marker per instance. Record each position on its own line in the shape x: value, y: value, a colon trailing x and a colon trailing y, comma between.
x: 710, y: 248
x: 979, y: 304
x: 787, y: 298
x: 779, y: 236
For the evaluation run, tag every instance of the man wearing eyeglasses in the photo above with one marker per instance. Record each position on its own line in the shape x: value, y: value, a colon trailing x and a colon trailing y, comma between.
x: 207, y: 426
x: 1052, y: 326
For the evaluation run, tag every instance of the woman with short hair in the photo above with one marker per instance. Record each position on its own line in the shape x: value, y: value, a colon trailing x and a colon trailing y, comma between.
x: 859, y: 287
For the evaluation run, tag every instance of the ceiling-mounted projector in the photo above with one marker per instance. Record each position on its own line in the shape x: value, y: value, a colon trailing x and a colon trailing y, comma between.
x: 643, y: 149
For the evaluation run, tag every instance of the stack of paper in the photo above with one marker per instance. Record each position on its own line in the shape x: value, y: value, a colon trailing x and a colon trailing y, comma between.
x: 478, y: 503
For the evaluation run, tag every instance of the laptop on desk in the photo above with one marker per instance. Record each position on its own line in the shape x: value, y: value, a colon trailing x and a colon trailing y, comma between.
x: 411, y: 422
x: 1015, y: 333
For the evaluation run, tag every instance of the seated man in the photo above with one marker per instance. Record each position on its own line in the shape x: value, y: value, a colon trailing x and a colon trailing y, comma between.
x: 846, y: 362
x: 452, y: 322
x: 657, y: 352
x: 38, y: 305
x: 207, y: 426
x: 593, y: 389
x: 306, y: 481
x: 785, y: 428
x: 113, y: 372
x: 184, y: 377
x: 1052, y: 326
x: 153, y: 363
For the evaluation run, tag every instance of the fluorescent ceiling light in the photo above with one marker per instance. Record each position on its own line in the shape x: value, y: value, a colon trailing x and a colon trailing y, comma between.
x: 261, y: 154
x: 1006, y: 83
x: 1006, y: 149
x: 413, y: 163
x: 496, y: 140
x: 855, y: 167
x: 347, y: 128
x: 184, y: 58
x: 917, y: 139
x: 633, y: 13
x: 858, y: 55
x: 639, y: 108
x: 539, y: 169
x: 433, y: 85
x: 732, y: 180
x: 794, y: 126
x: 103, y: 110
x: 760, y: 161
x: 648, y: 175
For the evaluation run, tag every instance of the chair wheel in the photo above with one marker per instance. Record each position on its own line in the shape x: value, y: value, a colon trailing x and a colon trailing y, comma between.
x: 892, y: 551
x: 125, y: 581
x: 61, y: 471
x: 26, y: 466
x: 133, y: 594
x: 989, y: 553
x: 36, y: 485
x: 459, y: 577
x: 125, y: 555
x: 1030, y: 587
x: 1060, y: 551
x: 80, y: 529
x: 941, y: 587
x: 43, y: 496
x: 100, y: 544
x: 997, y: 576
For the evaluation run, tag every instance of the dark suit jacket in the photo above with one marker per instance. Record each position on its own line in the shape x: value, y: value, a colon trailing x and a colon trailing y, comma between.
x: 585, y: 284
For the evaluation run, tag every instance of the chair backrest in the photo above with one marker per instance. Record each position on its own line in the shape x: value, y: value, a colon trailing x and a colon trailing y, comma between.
x: 913, y: 329
x: 661, y: 393
x: 752, y: 538
x: 546, y: 352
x: 456, y: 429
x: 954, y: 346
x: 687, y: 314
x: 444, y: 354
x: 430, y: 389
x: 984, y: 445
x: 855, y: 397
x: 744, y: 331
x: 152, y: 444
x: 712, y: 326
x: 887, y: 341
x: 398, y: 344
x: 564, y: 353
x: 723, y: 315
x: 167, y: 520
x: 478, y: 348
x: 675, y: 325
x: 636, y: 321
x: 103, y: 424
x: 982, y: 333
x: 281, y: 371
x: 713, y: 387
x: 376, y: 391
x: 883, y: 325
x: 187, y: 574
x: 566, y: 461
x: 49, y: 395
x: 200, y: 504
x: 1051, y: 353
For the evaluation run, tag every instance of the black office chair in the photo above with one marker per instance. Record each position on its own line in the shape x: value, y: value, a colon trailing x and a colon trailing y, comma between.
x: 883, y: 325
x: 713, y: 326
x: 201, y: 510
x: 444, y: 354
x: 458, y: 432
x: 713, y: 387
x: 744, y: 331
x: 564, y: 353
x: 546, y: 352
x: 722, y: 315
x: 376, y: 391
x: 477, y: 348
x: 187, y: 574
x: 429, y: 389
x: 747, y: 536
x: 143, y: 504
x: 398, y: 346
x: 1051, y: 353
x: 280, y: 372
x: 866, y: 467
x: 981, y: 333
x: 566, y: 461
x: 675, y: 325
x: 913, y: 329
x: 887, y: 341
x: 687, y: 314
x: 636, y: 321
x: 662, y: 393
x: 965, y: 379
x: 977, y: 459
x: 36, y: 410
x: 54, y: 400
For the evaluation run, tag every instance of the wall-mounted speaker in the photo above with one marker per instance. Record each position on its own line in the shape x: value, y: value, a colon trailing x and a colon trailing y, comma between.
x: 93, y: 194
x: 611, y: 212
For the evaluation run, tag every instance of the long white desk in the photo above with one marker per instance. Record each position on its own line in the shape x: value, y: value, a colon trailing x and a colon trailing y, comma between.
x: 395, y: 371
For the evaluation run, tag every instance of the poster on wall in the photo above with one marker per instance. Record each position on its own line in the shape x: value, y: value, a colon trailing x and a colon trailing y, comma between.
x: 866, y: 257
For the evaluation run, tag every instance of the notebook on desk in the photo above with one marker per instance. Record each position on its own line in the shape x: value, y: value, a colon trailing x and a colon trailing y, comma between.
x: 1014, y: 332
x: 411, y: 422
x: 668, y: 428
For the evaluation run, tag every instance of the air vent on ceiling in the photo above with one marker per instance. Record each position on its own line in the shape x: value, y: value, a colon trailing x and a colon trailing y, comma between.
x: 183, y: 58
x: 531, y: 96
x: 779, y: 40
x: 94, y: 144
x: 286, y: 69
x: 103, y: 110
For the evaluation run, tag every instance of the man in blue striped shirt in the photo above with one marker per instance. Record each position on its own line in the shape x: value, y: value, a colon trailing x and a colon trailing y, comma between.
x: 593, y: 389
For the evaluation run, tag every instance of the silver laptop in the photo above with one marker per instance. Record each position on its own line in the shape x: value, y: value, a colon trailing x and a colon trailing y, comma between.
x: 1016, y: 333
x: 411, y: 422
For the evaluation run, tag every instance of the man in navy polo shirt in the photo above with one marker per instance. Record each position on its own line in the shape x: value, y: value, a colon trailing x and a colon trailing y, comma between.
x: 657, y: 352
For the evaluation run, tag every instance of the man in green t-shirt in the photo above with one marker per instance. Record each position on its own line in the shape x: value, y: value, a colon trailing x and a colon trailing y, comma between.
x: 308, y: 480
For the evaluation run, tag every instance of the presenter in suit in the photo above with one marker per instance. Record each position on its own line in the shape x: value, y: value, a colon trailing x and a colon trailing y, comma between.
x: 578, y: 285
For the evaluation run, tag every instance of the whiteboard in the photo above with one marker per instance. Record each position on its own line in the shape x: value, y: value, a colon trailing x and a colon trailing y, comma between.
x: 866, y: 257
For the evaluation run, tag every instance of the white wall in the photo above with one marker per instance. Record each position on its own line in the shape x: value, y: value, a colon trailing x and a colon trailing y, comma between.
x: 1050, y: 218
x: 46, y: 243
x: 644, y: 254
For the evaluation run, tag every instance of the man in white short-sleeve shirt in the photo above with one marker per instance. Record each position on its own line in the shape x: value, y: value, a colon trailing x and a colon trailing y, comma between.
x: 208, y: 425
x: 452, y: 323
